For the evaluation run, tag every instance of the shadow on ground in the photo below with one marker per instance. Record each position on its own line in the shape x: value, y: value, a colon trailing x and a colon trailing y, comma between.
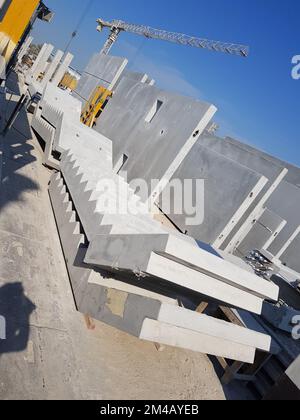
x: 16, y: 153
x: 15, y: 311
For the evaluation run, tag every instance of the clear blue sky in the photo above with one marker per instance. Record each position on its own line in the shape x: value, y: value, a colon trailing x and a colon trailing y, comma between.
x: 257, y: 98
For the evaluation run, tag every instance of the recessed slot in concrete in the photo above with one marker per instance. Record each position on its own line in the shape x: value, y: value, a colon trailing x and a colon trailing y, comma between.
x: 121, y: 163
x: 154, y: 110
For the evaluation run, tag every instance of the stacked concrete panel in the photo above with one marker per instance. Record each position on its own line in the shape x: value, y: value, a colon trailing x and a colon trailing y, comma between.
x: 271, y: 223
x: 47, y: 120
x: 24, y: 49
x: 47, y: 133
x: 45, y: 69
x: 138, y: 77
x: 243, y: 210
x: 180, y: 261
x: 62, y: 69
x: 60, y: 100
x: 57, y: 122
x: 251, y: 207
x: 102, y: 70
x: 154, y: 129
x: 226, y: 198
x: 51, y: 69
x: 129, y: 305
x: 39, y: 65
x: 128, y: 270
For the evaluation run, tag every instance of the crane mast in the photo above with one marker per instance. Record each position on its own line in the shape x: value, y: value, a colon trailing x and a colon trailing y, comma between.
x: 118, y: 26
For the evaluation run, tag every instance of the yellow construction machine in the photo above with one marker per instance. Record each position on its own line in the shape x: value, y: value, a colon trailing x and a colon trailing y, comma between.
x: 94, y: 107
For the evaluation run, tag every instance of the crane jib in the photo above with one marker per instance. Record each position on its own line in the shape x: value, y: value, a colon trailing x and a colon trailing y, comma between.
x: 118, y: 25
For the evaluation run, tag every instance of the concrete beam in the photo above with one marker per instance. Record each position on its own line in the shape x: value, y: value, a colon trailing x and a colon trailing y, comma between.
x: 152, y: 318
x: 102, y: 70
x: 41, y: 61
x: 142, y: 119
x: 183, y: 263
x: 62, y: 69
x: 24, y: 48
x: 52, y: 67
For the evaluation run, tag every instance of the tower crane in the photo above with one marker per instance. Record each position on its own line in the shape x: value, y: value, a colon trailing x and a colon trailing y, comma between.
x: 100, y: 96
x: 118, y: 26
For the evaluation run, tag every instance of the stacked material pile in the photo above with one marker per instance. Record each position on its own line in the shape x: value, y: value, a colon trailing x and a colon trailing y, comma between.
x: 105, y: 222
x: 47, y: 69
x: 152, y: 271
x: 129, y: 271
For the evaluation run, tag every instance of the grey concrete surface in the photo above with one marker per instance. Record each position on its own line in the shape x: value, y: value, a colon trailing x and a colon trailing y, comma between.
x: 293, y: 175
x: 133, y: 310
x: 62, y: 68
x: 204, y: 163
x: 264, y: 228
x: 291, y: 256
x: 285, y: 201
x: 52, y: 67
x: 250, y: 158
x: 55, y: 356
x: 24, y: 49
x: 41, y: 62
x: 102, y: 70
x: 138, y: 77
x: 155, y: 129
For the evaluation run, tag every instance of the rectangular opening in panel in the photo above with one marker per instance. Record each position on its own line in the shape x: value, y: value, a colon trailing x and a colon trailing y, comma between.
x: 121, y: 163
x: 154, y: 110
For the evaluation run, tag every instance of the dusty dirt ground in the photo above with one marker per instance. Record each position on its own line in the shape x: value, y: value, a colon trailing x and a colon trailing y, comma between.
x: 49, y: 352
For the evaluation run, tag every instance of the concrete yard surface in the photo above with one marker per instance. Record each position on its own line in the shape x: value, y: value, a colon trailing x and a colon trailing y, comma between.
x: 49, y: 352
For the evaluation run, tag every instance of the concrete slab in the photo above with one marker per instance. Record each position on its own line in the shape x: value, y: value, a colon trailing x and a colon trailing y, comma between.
x: 250, y: 158
x: 47, y: 134
x: 102, y: 70
x: 121, y: 308
x: 263, y: 233
x: 138, y: 77
x: 24, y: 48
x: 60, y: 100
x: 183, y: 263
x: 174, y: 336
x: 141, y: 119
x: 62, y: 69
x: 215, y: 213
x: 293, y: 176
x: 41, y: 61
x: 213, y: 327
x: 284, y: 201
x: 52, y: 67
x: 70, y: 130
x: 290, y: 257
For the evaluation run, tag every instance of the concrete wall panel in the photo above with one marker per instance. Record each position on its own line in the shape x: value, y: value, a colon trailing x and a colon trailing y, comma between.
x: 285, y: 201
x: 153, y: 128
x: 226, y: 185
x: 102, y: 70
